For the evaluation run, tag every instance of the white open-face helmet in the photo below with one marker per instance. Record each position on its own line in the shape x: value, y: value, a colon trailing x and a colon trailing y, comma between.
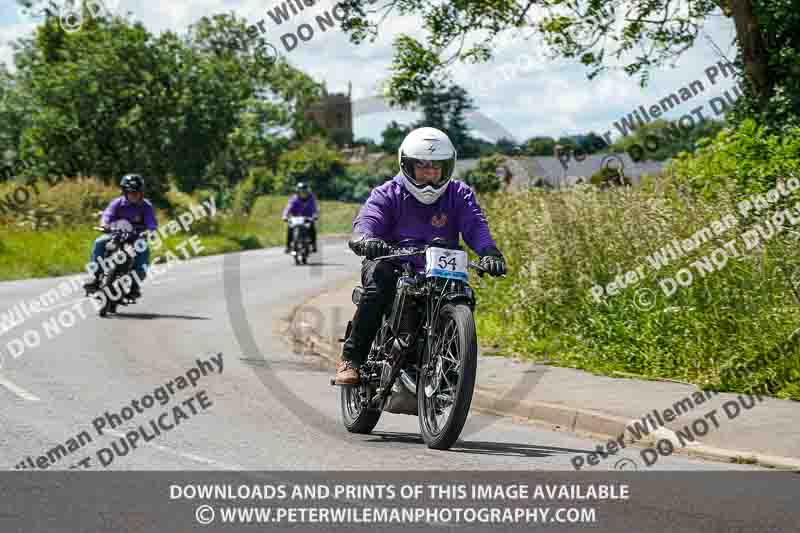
x: 426, y: 144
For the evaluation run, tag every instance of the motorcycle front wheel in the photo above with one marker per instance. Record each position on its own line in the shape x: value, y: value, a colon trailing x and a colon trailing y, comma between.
x: 296, y: 246
x: 444, y: 393
x: 110, y: 305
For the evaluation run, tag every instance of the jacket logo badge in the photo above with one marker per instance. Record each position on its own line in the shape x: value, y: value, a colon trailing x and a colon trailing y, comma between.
x: 439, y: 221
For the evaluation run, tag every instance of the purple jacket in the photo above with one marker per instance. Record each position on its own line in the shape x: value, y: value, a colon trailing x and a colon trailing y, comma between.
x: 141, y: 214
x: 297, y: 207
x: 391, y: 213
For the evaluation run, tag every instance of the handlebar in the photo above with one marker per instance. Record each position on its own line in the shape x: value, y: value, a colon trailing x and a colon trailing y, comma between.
x: 410, y: 252
x: 102, y: 229
x: 286, y: 218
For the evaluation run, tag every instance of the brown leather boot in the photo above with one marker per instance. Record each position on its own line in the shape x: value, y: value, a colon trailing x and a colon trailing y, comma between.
x: 347, y: 373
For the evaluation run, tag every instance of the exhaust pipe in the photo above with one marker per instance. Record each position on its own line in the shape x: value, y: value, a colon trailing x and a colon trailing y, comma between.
x: 408, y: 382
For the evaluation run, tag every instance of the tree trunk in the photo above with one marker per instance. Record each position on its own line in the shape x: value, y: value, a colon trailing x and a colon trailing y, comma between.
x: 753, y: 47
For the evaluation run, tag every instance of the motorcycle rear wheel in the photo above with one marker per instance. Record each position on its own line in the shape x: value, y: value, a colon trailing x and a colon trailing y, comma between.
x: 356, y: 417
x: 446, y: 385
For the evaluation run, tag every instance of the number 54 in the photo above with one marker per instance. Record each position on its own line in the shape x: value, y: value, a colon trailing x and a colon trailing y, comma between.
x: 443, y: 262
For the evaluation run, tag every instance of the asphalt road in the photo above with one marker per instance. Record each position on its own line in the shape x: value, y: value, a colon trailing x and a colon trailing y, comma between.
x: 269, y: 408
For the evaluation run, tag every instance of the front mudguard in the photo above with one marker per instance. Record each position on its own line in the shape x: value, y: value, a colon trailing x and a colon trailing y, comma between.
x: 467, y: 297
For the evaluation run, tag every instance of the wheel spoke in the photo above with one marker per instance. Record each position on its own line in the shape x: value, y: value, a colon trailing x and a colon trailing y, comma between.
x: 444, y: 377
x: 452, y: 358
x: 440, y: 343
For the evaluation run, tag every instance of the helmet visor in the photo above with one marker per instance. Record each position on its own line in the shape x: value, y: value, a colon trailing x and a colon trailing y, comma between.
x: 425, y: 172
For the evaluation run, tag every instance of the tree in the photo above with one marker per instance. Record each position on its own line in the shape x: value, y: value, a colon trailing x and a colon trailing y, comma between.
x: 392, y: 136
x: 663, y: 139
x: 540, y: 146
x: 372, y: 146
x: 483, y: 178
x: 591, y: 143
x: 594, y: 32
x: 113, y: 98
x: 506, y: 146
x: 444, y: 108
x: 313, y: 161
x: 568, y: 142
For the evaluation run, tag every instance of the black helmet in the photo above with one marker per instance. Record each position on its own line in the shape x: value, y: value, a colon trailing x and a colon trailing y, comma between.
x: 301, y: 187
x: 132, y: 183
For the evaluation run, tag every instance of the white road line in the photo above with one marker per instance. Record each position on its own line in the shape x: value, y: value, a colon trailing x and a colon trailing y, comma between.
x: 19, y: 391
x: 191, y: 456
x: 59, y: 306
x: 162, y: 281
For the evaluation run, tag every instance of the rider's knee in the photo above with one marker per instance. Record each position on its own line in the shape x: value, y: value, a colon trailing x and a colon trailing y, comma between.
x: 384, y: 276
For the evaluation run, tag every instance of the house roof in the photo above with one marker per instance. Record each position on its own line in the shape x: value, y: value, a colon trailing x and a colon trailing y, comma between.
x: 526, y: 169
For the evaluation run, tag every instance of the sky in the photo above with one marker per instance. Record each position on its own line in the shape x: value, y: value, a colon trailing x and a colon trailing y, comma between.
x: 521, y: 90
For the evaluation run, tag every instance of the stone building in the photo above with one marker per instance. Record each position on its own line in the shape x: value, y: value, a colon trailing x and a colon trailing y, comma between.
x: 334, y: 113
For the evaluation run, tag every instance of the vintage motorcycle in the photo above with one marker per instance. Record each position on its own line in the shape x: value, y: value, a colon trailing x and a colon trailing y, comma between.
x: 423, y: 360
x: 301, y: 238
x: 116, y: 282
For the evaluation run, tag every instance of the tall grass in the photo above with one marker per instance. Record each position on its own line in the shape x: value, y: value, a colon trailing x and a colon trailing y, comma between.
x: 560, y: 245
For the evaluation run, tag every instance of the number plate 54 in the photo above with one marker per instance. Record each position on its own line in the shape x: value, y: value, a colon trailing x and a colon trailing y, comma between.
x: 444, y: 263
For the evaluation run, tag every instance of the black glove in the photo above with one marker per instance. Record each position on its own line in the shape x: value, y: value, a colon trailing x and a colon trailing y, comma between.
x: 492, y: 261
x: 375, y: 248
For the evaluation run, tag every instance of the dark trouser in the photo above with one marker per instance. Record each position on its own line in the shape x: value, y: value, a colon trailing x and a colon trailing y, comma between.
x: 378, y: 280
x: 312, y: 232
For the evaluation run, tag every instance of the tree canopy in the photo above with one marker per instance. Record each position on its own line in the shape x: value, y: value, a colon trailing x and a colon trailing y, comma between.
x: 112, y: 98
x: 637, y: 36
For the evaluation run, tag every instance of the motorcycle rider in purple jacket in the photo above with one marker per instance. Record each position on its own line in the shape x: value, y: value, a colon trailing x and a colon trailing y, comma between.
x: 133, y: 207
x: 302, y: 204
x: 421, y: 203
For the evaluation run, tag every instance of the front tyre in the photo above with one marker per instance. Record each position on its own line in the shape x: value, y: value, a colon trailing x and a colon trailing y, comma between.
x: 446, y: 383
x: 296, y: 246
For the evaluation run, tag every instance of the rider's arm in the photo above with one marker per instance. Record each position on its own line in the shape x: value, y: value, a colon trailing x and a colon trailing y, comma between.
x: 150, y: 217
x: 373, y: 221
x: 472, y: 223
x: 376, y: 217
x: 314, y: 212
x: 110, y: 213
x: 290, y: 206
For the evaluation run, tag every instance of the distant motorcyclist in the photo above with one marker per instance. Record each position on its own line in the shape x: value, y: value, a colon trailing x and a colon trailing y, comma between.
x: 133, y: 207
x: 302, y: 204
x: 421, y: 203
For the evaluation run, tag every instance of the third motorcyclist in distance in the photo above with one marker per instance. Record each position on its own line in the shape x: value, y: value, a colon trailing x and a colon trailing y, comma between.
x: 421, y: 203
x: 302, y: 204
